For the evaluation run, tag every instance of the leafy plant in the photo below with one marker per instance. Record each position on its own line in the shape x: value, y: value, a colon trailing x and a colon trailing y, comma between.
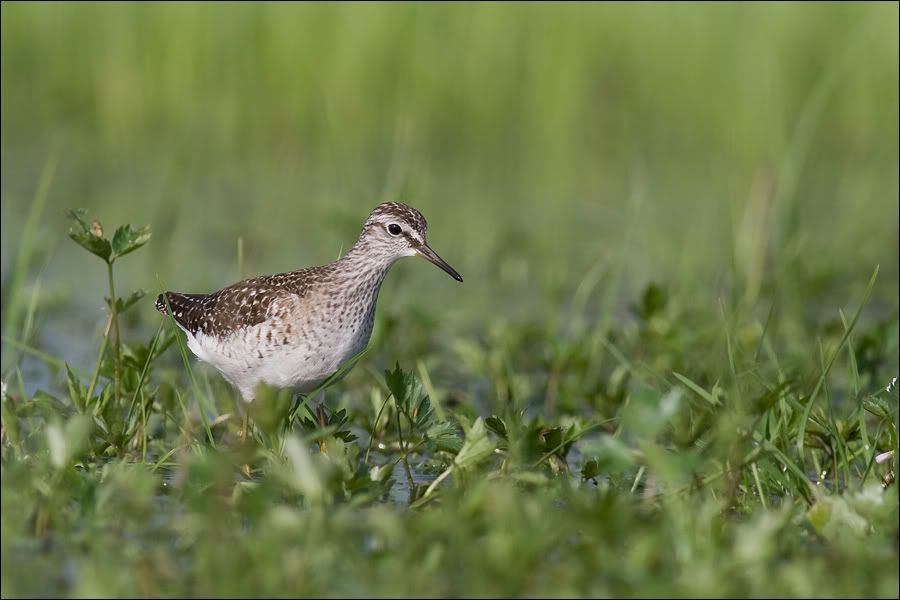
x: 125, y: 240
x: 421, y: 422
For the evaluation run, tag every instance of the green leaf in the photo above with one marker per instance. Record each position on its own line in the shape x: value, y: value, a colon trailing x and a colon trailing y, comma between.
x: 552, y: 438
x: 610, y: 455
x: 477, y: 447
x: 653, y: 302
x: 443, y: 436
x: 712, y: 398
x: 833, y: 518
x: 127, y: 240
x: 405, y: 387
x: 77, y: 215
x: 590, y: 469
x: 497, y: 425
x: 335, y: 423
x: 123, y: 304
x: 87, y: 237
x: 424, y: 414
x: 91, y: 243
x: 43, y: 404
x: 304, y: 475
x: 878, y: 406
x: 76, y: 391
x: 66, y: 443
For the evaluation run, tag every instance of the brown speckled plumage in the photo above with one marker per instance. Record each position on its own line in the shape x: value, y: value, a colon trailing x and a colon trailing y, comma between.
x: 240, y: 305
x: 295, y: 329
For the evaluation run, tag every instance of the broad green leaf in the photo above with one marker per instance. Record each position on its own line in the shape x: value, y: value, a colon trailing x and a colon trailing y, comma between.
x: 497, y: 425
x: 56, y: 442
x: 78, y: 215
x: 127, y: 240
x: 405, y: 387
x: 304, y: 475
x: 443, y: 436
x: 65, y: 443
x: 424, y: 414
x: 477, y: 447
x: 93, y: 244
x: 43, y: 404
x: 90, y: 237
x: 833, y: 518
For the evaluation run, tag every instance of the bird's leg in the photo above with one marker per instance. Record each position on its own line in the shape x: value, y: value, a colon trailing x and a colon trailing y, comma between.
x: 244, y: 407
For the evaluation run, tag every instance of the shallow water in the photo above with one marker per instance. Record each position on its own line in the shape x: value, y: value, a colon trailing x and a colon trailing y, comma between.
x: 399, y: 494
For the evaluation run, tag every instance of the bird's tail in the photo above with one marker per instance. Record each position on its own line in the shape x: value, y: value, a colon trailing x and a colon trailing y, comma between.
x: 161, y: 303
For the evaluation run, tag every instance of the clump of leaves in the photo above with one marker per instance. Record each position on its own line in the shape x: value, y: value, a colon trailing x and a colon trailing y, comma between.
x: 125, y: 240
x: 532, y: 442
x: 336, y: 423
x: 416, y: 406
x: 413, y: 406
x: 90, y: 237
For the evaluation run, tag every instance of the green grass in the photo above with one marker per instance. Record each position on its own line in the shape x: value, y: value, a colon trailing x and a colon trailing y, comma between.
x: 668, y: 369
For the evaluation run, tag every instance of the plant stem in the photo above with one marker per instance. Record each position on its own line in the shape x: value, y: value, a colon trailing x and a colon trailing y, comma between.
x: 90, y: 392
x: 140, y: 384
x: 410, y: 451
x: 375, y: 429
x: 114, y: 317
x: 438, y: 481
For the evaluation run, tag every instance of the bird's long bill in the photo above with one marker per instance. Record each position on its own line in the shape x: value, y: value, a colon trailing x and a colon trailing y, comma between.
x: 425, y: 251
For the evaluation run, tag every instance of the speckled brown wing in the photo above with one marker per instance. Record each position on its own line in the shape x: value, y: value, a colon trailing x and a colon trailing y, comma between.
x: 238, y: 306
x: 187, y: 309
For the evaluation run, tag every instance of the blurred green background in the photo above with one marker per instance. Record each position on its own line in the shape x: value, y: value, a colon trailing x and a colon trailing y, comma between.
x: 715, y: 149
x: 645, y: 200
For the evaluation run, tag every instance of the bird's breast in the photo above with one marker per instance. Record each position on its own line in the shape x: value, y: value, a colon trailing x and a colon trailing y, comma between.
x: 326, y: 337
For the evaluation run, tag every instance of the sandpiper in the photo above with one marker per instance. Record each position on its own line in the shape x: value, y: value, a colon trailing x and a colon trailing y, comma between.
x: 294, y: 330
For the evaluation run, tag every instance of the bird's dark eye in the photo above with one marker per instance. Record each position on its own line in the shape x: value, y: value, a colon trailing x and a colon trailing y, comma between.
x: 394, y: 229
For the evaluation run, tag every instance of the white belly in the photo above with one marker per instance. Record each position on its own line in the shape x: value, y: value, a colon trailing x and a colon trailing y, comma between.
x: 299, y: 345
x: 297, y: 362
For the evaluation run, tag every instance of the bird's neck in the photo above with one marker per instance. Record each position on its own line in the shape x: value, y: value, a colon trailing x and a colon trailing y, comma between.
x: 364, y: 264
